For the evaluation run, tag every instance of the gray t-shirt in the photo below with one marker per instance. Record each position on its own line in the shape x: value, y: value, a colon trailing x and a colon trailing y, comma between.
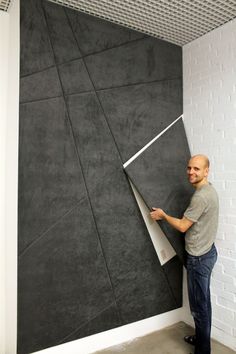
x: 204, y: 212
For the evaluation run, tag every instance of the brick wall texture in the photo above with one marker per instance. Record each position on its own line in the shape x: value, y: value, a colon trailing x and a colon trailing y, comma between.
x: 209, y: 73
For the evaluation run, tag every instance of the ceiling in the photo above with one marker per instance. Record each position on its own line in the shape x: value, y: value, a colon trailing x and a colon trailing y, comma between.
x: 4, y: 4
x: 176, y: 21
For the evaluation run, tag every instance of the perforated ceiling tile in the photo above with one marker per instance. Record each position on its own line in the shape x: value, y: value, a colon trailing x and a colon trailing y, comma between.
x: 175, y: 21
x: 4, y: 4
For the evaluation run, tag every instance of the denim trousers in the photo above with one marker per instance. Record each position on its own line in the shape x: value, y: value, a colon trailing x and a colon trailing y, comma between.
x: 199, y: 270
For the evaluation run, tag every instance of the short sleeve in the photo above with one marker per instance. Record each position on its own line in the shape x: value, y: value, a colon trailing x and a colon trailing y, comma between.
x: 196, y: 208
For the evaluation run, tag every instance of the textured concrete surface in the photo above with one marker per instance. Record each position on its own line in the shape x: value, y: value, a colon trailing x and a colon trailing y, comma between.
x: 86, y: 261
x: 64, y: 291
x: 95, y: 35
x: 137, y: 113
x: 124, y: 65
x: 167, y: 341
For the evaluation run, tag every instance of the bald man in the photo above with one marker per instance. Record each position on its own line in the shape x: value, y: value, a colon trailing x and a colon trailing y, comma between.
x: 200, y: 221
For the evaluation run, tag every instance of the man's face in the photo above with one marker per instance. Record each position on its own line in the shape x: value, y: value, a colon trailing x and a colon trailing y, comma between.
x: 197, y: 170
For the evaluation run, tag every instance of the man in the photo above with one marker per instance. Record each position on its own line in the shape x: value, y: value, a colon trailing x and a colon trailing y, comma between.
x: 200, y: 222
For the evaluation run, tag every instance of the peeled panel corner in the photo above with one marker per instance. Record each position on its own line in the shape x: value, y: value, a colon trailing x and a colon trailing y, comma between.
x: 159, y: 174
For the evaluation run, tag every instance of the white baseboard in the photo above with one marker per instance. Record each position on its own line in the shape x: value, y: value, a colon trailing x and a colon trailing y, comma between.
x: 117, y: 336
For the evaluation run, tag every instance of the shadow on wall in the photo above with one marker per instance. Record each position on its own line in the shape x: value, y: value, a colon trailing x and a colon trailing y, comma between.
x: 92, y: 94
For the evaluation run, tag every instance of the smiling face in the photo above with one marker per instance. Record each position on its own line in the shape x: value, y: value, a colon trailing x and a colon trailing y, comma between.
x: 197, y: 170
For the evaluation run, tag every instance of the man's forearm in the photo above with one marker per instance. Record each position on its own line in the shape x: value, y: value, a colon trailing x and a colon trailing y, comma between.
x: 181, y: 225
x: 174, y: 222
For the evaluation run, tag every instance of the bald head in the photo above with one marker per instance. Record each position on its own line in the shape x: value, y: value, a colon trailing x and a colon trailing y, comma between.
x: 203, y: 158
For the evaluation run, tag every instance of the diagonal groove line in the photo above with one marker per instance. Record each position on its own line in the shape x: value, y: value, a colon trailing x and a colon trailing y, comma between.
x: 68, y: 117
x: 77, y: 153
x: 170, y: 287
x: 168, y: 283
x: 123, y: 86
x: 44, y: 233
x: 92, y: 211
x: 115, y: 46
x: 140, y: 83
x: 104, y: 114
x: 110, y: 305
x: 37, y: 72
x: 93, y: 53
x: 86, y: 322
x: 39, y: 237
x: 116, y: 143
x: 98, y: 99
x: 40, y: 99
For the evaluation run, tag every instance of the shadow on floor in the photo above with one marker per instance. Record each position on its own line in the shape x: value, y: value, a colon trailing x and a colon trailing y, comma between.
x: 167, y: 341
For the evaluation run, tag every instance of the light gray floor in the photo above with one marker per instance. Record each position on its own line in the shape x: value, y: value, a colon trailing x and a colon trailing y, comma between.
x: 167, y: 341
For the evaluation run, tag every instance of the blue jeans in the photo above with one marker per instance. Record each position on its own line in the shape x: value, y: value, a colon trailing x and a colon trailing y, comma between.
x: 199, y: 270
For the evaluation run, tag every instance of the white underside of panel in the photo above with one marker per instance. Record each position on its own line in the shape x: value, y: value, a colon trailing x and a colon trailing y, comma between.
x: 160, y: 242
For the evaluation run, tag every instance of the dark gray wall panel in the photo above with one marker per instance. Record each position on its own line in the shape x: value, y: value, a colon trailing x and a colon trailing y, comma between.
x: 50, y: 181
x: 173, y: 270
x: 95, y: 144
x: 144, y: 298
x: 123, y: 234
x: 74, y: 77
x: 125, y: 241
x: 136, y: 114
x: 44, y: 84
x: 141, y: 61
x: 129, y: 253
x: 94, y: 34
x: 107, y: 319
x: 86, y: 260
x: 62, y: 293
x: 164, y: 183
x: 36, y: 53
x: 62, y: 38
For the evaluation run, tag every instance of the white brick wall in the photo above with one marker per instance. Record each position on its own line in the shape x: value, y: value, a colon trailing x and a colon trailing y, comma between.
x: 209, y: 73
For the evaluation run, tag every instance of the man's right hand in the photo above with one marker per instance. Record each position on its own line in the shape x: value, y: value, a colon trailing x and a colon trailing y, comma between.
x: 157, y: 214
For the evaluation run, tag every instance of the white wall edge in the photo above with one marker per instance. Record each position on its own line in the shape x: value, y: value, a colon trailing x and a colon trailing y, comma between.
x: 11, y: 175
x: 4, y: 44
x: 209, y: 110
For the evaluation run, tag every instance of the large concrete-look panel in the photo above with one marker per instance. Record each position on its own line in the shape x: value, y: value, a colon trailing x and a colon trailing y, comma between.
x: 118, y: 220
x: 92, y: 93
x: 137, y: 113
x: 164, y: 183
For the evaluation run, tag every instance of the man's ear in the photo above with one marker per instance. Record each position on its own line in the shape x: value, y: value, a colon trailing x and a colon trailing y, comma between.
x: 206, y: 171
